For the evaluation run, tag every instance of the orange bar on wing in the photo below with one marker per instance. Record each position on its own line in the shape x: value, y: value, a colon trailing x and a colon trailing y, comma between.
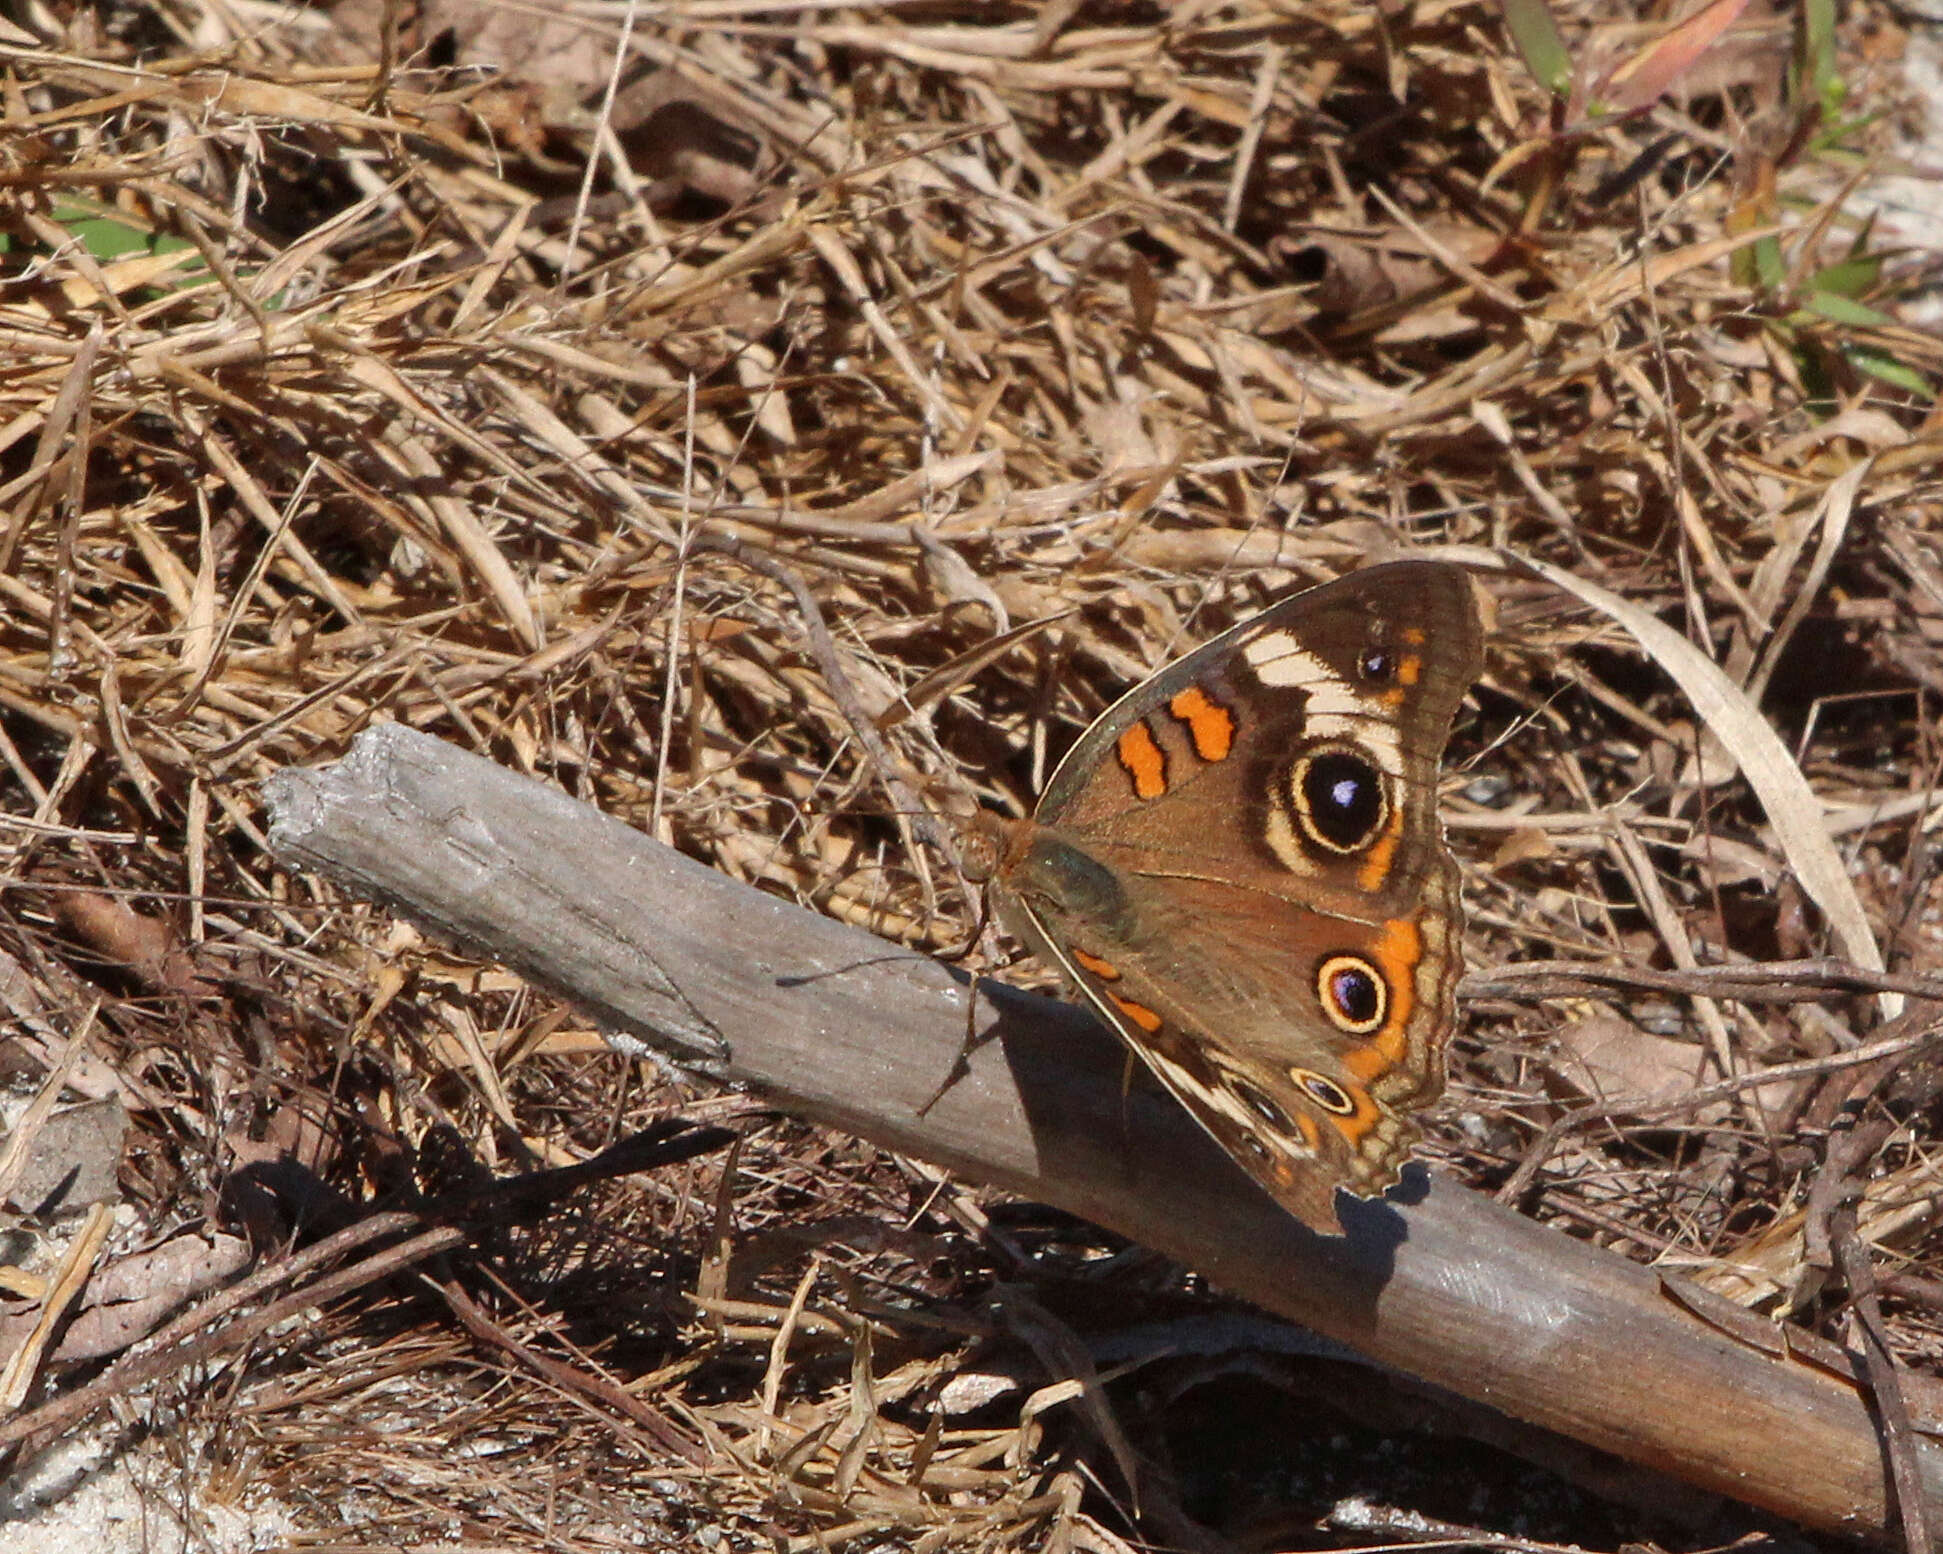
x: 1105, y: 970
x: 1374, y: 871
x: 1140, y: 1014
x: 1145, y: 761
x: 1209, y: 724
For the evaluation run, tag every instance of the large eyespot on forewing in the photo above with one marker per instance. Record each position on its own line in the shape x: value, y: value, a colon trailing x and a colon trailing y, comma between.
x: 1341, y: 799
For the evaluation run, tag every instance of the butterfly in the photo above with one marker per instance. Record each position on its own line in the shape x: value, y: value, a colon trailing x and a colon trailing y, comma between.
x: 1241, y: 868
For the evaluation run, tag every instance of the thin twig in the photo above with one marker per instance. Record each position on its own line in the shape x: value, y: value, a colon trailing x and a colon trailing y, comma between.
x: 1917, y: 1028
x: 1768, y: 982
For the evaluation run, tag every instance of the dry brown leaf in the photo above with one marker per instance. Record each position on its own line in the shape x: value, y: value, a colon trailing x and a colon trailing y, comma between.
x: 1621, y: 1069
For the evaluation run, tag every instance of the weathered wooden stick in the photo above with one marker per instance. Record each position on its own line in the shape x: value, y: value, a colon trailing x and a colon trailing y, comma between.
x: 851, y: 1031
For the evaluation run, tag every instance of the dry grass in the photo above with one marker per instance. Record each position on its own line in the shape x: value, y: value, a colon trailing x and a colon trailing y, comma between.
x: 970, y: 317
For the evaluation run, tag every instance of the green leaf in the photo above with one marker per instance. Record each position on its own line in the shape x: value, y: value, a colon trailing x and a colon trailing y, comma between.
x: 1849, y: 278
x: 109, y: 240
x: 1887, y: 369
x: 1817, y: 81
x: 1539, y: 44
x: 1846, y: 310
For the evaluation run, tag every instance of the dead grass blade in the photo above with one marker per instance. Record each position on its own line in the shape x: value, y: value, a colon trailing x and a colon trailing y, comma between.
x: 1749, y: 738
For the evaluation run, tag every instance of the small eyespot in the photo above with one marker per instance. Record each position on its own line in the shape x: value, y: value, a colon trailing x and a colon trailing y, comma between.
x: 1261, y: 1104
x: 1340, y: 799
x: 1255, y: 1146
x: 1376, y: 664
x: 1325, y: 1092
x: 1353, y: 994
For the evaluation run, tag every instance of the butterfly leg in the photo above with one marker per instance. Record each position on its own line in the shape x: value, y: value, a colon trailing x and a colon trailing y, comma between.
x: 961, y: 1064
